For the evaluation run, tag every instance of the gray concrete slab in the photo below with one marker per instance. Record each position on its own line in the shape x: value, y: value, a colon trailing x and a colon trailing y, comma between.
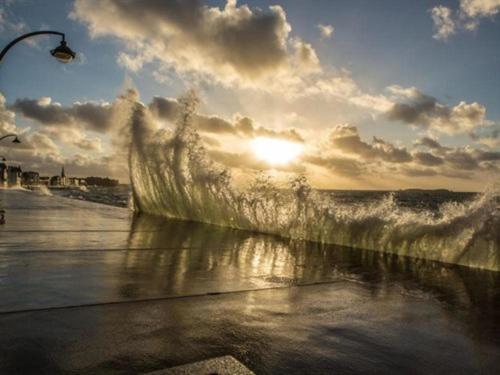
x: 114, y: 293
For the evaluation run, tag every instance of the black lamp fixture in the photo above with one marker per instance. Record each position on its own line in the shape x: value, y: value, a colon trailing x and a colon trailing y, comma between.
x: 63, y: 53
x: 16, y: 140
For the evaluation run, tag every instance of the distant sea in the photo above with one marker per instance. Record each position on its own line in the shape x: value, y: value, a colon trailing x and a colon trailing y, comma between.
x: 115, y: 196
x: 417, y: 199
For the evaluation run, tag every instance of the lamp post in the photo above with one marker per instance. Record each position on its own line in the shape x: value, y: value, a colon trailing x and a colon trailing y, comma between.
x: 16, y: 140
x: 62, y: 52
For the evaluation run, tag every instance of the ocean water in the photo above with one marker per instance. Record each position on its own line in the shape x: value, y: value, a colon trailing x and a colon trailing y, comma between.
x: 427, y: 201
x: 172, y: 176
x: 118, y: 196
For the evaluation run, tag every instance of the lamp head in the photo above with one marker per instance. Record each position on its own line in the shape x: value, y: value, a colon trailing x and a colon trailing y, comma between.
x: 63, y: 53
x: 16, y: 140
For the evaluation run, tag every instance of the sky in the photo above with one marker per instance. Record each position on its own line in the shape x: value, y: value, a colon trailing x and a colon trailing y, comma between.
x: 352, y: 94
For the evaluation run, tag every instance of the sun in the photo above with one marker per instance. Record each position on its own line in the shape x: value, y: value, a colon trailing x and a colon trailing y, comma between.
x: 275, y: 151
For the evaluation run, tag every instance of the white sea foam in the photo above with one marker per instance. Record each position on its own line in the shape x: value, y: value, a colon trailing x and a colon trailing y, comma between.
x: 42, y: 190
x: 172, y: 176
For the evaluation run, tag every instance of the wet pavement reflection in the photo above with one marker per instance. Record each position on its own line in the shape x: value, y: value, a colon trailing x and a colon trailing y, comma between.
x: 86, y: 288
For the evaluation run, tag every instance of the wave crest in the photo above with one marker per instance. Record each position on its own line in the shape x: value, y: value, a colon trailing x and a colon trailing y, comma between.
x: 172, y: 175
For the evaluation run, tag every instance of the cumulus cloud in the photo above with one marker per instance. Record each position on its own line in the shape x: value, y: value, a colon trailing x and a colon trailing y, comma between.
x: 236, y: 45
x: 73, y: 136
x: 39, y: 151
x: 443, y: 22
x: 343, y: 154
x: 69, y: 125
x: 462, y: 159
x: 89, y: 144
x: 425, y: 111
x: 342, y: 87
x: 92, y: 115
x: 232, y: 45
x: 7, y: 118
x: 346, y: 139
x: 36, y: 148
x: 168, y: 109
x: 326, y: 31
x: 347, y: 155
x: 467, y: 17
x: 430, y: 143
x: 491, y: 138
x: 454, y: 158
x: 305, y: 58
x: 480, y: 8
x: 427, y: 158
x: 45, y: 148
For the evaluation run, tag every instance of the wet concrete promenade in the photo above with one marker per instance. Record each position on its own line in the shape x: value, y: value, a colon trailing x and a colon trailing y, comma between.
x: 90, y: 289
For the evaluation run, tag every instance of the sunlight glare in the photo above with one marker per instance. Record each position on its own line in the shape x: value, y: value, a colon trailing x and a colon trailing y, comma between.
x: 275, y: 151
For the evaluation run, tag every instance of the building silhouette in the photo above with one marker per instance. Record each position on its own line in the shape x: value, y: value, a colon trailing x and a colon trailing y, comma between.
x: 30, y: 178
x: 10, y: 176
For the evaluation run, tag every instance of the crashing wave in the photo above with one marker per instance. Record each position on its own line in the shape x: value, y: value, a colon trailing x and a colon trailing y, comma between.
x: 42, y: 190
x: 172, y: 175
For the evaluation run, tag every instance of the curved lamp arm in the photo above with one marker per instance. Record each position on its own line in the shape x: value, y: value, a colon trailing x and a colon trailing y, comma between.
x: 9, y: 135
x: 11, y: 44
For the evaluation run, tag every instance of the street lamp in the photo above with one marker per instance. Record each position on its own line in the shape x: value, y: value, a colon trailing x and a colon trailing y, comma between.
x: 62, y: 52
x: 16, y: 140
